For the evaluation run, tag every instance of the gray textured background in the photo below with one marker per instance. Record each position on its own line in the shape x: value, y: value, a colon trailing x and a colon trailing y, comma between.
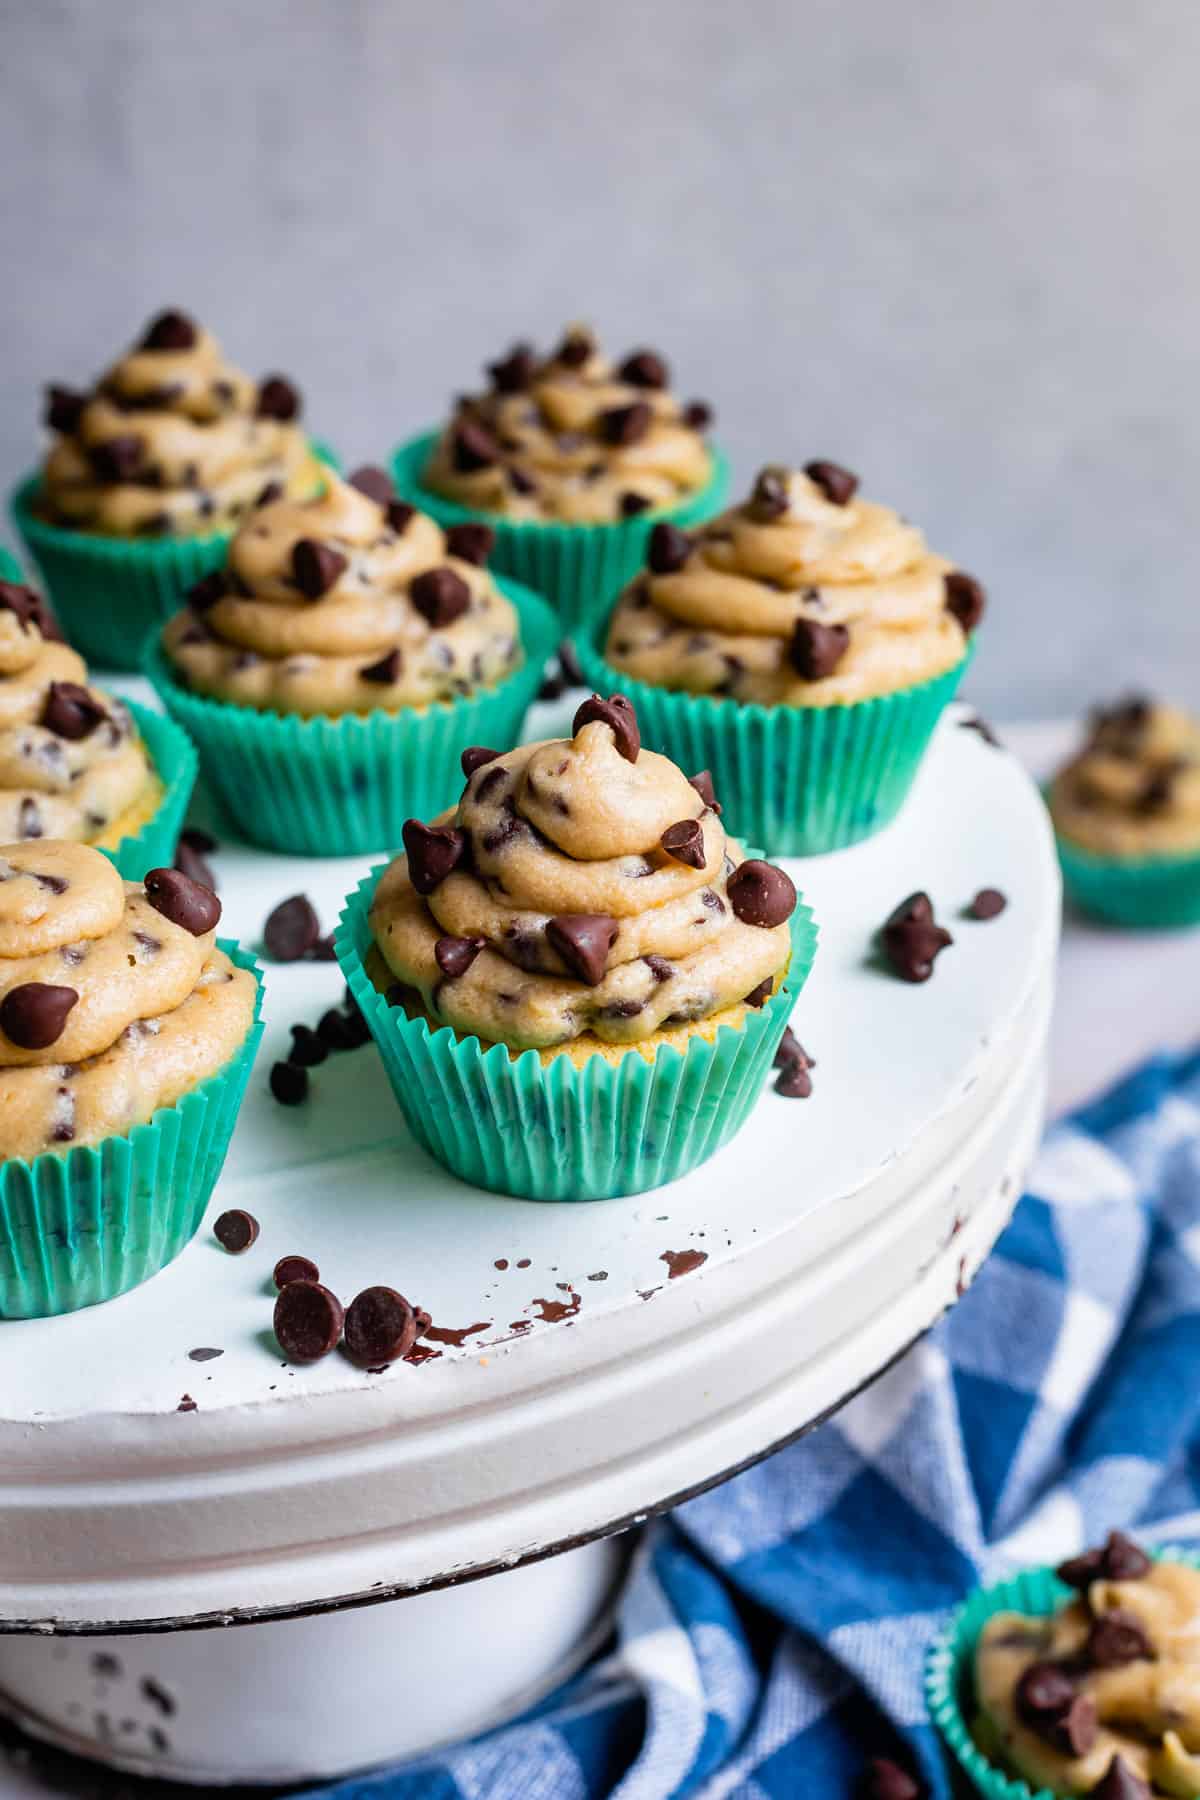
x: 948, y: 242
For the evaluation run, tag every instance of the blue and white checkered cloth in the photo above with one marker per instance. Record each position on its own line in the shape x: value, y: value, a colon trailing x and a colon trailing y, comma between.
x: 774, y: 1631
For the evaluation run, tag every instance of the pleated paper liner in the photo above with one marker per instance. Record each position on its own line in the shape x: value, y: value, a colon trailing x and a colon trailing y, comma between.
x: 554, y: 1131
x: 949, y: 1669
x: 577, y: 567
x: 799, y: 780
x: 174, y: 763
x: 1153, y: 893
x: 107, y: 592
x: 82, y: 1225
x: 345, y: 786
x: 10, y: 568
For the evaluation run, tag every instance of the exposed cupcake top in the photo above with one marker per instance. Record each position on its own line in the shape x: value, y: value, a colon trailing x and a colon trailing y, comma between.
x: 581, y: 886
x: 1113, y: 1677
x: 803, y: 595
x: 571, y: 437
x: 1134, y: 788
x: 345, y: 603
x: 114, y: 999
x: 71, y: 763
x: 173, y: 440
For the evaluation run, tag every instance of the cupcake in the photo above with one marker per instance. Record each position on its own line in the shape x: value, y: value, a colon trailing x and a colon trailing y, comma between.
x: 126, y: 1038
x: 332, y: 673
x: 1082, y: 1680
x: 802, y: 646
x: 577, y: 981
x: 1126, y: 811
x: 571, y: 461
x: 77, y: 763
x: 149, y: 474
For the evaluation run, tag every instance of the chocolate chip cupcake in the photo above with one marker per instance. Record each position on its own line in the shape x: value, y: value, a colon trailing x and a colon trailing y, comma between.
x: 571, y: 460
x: 576, y: 944
x: 77, y: 763
x: 1079, y: 1680
x: 1126, y: 811
x: 803, y: 645
x: 149, y: 474
x: 333, y: 671
x: 126, y: 1038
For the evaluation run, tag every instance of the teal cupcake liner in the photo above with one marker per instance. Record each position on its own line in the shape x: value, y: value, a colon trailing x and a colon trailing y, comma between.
x: 949, y: 1669
x: 175, y: 764
x: 1154, y: 893
x: 577, y: 567
x: 84, y: 1225
x: 344, y: 786
x: 554, y: 1131
x: 799, y: 780
x: 10, y: 568
x: 108, y: 592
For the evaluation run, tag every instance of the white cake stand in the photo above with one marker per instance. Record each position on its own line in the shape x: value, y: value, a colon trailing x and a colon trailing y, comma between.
x: 594, y: 1363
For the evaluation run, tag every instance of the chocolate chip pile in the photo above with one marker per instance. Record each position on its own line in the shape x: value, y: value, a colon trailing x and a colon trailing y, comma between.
x: 910, y: 938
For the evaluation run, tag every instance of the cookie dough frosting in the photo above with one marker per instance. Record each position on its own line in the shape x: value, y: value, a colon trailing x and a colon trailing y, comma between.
x: 114, y: 999
x: 71, y: 764
x: 570, y: 437
x: 583, y: 894
x: 173, y: 440
x: 1114, y: 1674
x: 1134, y: 788
x: 804, y: 595
x: 346, y: 603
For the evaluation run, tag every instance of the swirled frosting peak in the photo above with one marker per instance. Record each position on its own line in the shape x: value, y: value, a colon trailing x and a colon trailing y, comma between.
x: 582, y: 888
x: 114, y: 999
x: 569, y: 436
x: 802, y: 595
x: 346, y: 603
x: 172, y: 440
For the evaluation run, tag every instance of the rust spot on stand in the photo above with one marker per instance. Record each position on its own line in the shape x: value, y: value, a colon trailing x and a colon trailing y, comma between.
x: 682, y: 1262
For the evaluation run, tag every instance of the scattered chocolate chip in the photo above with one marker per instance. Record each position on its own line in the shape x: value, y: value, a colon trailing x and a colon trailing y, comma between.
x: 454, y: 955
x: 769, y: 497
x: 308, y: 1321
x: 794, y: 1063
x: 440, y: 596
x: 667, y: 548
x: 307, y: 1049
x: 235, y: 1230
x: 386, y: 671
x: 433, y: 851
x: 583, y: 940
x: 277, y: 399
x: 190, y: 862
x: 965, y: 598
x: 644, y: 369
x: 471, y: 543
x: 513, y: 373
x: 685, y: 842
x: 760, y: 894
x: 1116, y: 1638
x: 381, y: 1327
x: 703, y: 784
x: 374, y: 482
x: 616, y: 712
x: 34, y: 1014
x: 698, y: 415
x: 988, y: 903
x: 758, y: 996
x: 837, y: 484
x: 201, y: 841
x: 203, y: 1353
x: 886, y: 1780
x: 291, y: 930
x: 64, y: 408
x: 472, y: 447
x: 186, y: 1405
x: 294, y: 1268
x: 316, y: 567
x: 475, y: 756
x: 183, y: 901
x: 399, y: 516
x: 631, y: 504
x: 289, y: 1083
x: 1120, y: 1783
x: 70, y: 711
x: 623, y: 425
x: 170, y: 331
x: 118, y: 459
x: 343, y: 1030
x: 911, y: 938
x: 816, y: 650
x: 205, y: 593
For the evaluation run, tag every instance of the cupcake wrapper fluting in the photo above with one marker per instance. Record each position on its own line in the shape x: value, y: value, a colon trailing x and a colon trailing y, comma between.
x: 85, y: 1224
x: 799, y: 780
x: 1153, y: 893
x: 345, y: 786
x: 577, y: 567
x: 174, y: 760
x: 555, y: 1131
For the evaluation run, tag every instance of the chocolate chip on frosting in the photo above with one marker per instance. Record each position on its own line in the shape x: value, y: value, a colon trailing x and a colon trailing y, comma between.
x: 1043, y: 1691
x: 183, y: 901
x: 631, y: 504
x: 965, y: 598
x: 911, y: 938
x: 816, y: 650
x: 473, y: 447
x: 117, y: 459
x: 1117, y: 1637
x: 308, y: 1321
x: 760, y: 894
x: 400, y: 515
x: 583, y: 940
x: 698, y: 415
x: 667, y: 549
x: 205, y: 593
x: 71, y: 711
x: 316, y: 567
x: 837, y: 484
x: 441, y: 596
x: 171, y: 330
x: 475, y: 756
x: 374, y: 482
x: 277, y: 399
x: 645, y: 369
x: 685, y: 842
x: 626, y: 424
x: 769, y: 499
x: 28, y: 608
x: 1120, y: 1783
x: 703, y: 784
x: 471, y: 543
x: 386, y: 671
x: 433, y: 852
x: 454, y: 955
x: 64, y: 408
x: 514, y: 372
x: 575, y: 348
x: 34, y: 1014
x: 381, y: 1327
x: 616, y: 712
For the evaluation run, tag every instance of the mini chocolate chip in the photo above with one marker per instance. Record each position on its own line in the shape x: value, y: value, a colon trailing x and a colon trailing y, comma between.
x: 268, y: 494
x: 190, y: 862
x: 583, y: 940
x: 308, y: 1321
x: 659, y: 967
x: 1158, y: 791
x: 760, y: 894
x: 644, y: 369
x: 1123, y: 1559
x: 520, y: 482
x: 207, y: 591
x: 171, y: 330
x: 758, y: 996
x: 399, y: 516
x: 965, y: 598
x: 307, y: 1049
x: 885, y: 1780
x: 29, y: 819
x: 70, y: 711
x: 622, y: 425
x: 386, y: 671
x: 472, y: 447
x: 118, y: 459
x: 837, y: 484
x: 289, y: 1083
x: 316, y: 567
x: 769, y: 497
x: 816, y: 650
x: 291, y: 930
x: 277, y: 399
x: 381, y: 1327
x: 454, y: 955
x: 471, y: 543
x: 685, y: 842
x: 667, y: 549
x: 294, y: 1268
x: 440, y: 596
x: 475, y: 756
x: 987, y: 904
x: 433, y: 851
x: 34, y: 1015
x: 64, y: 408
x: 1120, y: 1783
x: 1116, y: 1638
x: 514, y: 372
x: 631, y: 504
x: 1043, y: 1691
x: 183, y: 901
x: 703, y: 784
x: 698, y: 415
x: 911, y: 938
x: 235, y: 1230
x: 617, y: 713
x: 374, y: 482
